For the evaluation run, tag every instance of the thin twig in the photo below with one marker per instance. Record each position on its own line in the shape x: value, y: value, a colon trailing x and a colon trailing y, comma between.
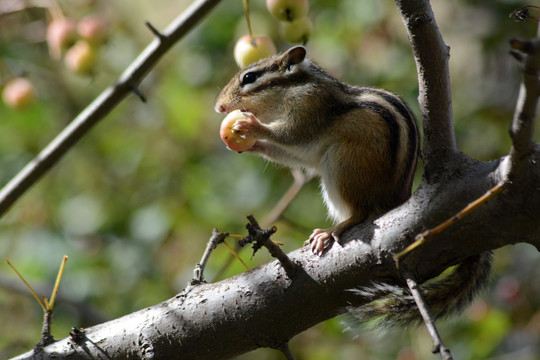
x: 154, y: 30
x: 423, y: 237
x: 43, y: 305
x: 216, y: 238
x: 138, y: 92
x: 438, y: 345
x: 57, y: 283
x: 235, y: 254
x: 261, y: 237
x: 103, y: 104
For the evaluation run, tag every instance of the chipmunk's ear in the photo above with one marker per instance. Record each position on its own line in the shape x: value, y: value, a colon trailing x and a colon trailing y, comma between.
x: 295, y: 55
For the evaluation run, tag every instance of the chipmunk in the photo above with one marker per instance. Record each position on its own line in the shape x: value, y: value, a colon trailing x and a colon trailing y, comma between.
x: 363, y: 144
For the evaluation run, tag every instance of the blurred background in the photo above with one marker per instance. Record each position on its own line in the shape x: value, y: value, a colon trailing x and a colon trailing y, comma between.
x: 134, y: 203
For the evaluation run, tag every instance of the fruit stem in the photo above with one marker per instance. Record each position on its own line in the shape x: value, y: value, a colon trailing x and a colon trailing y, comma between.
x: 246, y: 11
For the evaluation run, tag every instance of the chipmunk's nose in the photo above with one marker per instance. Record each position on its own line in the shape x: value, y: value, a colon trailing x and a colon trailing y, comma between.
x: 219, y: 108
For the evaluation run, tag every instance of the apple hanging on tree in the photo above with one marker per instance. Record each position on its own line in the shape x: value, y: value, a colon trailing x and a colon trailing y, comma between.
x: 250, y: 49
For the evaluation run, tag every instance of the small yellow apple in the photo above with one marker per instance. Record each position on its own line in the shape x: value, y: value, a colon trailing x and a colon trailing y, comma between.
x: 251, y: 49
x: 81, y: 57
x: 232, y: 138
x: 19, y: 93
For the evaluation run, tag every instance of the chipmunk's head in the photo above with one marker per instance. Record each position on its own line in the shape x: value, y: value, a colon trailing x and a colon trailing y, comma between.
x: 262, y: 87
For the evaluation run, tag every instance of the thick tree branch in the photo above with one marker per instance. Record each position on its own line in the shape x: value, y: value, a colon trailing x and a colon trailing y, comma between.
x: 265, y: 308
x: 431, y: 55
x: 104, y: 103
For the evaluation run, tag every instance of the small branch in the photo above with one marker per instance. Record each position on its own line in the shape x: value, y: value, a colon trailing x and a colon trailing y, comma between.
x: 300, y: 179
x: 46, y: 337
x: 216, y: 238
x: 154, y: 31
x: 422, y: 238
x: 521, y: 130
x: 135, y: 89
x: 103, y: 104
x: 260, y: 238
x: 438, y: 345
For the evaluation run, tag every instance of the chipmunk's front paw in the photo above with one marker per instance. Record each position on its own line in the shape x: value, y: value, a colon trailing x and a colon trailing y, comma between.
x: 248, y: 126
x: 320, y: 240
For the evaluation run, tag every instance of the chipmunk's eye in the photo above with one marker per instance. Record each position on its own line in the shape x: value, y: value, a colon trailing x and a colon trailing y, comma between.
x: 249, y: 78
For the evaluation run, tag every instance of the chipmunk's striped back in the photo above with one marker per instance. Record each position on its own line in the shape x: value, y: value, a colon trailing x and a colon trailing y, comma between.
x: 404, y: 136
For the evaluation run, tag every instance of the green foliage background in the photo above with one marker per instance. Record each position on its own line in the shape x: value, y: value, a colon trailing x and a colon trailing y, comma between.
x: 134, y: 203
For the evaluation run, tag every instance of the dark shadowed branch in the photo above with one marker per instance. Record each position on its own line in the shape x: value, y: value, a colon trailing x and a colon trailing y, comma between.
x: 523, y: 122
x: 435, y: 100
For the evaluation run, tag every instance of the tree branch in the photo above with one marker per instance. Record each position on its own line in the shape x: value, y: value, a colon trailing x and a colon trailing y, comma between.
x: 521, y: 130
x: 104, y: 103
x: 431, y: 56
x: 438, y: 345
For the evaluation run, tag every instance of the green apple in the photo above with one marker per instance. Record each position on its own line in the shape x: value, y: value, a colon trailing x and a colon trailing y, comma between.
x: 235, y: 140
x: 288, y: 10
x: 297, y: 31
x: 251, y: 49
x: 19, y: 93
x: 81, y: 57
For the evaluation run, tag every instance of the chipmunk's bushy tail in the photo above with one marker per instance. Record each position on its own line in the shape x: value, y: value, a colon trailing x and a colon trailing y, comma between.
x: 393, y: 306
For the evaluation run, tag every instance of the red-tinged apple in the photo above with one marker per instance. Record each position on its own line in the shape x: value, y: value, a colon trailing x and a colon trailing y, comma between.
x: 19, y: 93
x: 232, y: 138
x: 81, y: 57
x: 251, y: 49
x: 297, y: 31
x: 94, y: 29
x: 61, y: 34
x: 288, y: 10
